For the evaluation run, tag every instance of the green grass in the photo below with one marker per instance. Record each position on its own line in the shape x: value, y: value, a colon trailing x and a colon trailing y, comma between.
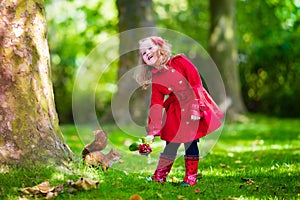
x: 257, y: 159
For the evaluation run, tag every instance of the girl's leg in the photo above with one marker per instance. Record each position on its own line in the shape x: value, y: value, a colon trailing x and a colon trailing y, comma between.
x: 191, y: 163
x: 171, y: 149
x: 191, y: 148
x: 165, y: 162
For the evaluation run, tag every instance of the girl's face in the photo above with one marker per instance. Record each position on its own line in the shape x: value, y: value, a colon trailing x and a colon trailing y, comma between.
x: 149, y: 52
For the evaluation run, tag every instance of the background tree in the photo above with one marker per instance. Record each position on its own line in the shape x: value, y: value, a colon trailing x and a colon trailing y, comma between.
x: 133, y: 14
x: 223, y: 49
x: 75, y: 28
x: 29, y: 130
x: 268, y: 41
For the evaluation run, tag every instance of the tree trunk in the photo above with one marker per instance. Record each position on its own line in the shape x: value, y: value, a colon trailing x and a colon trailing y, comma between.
x: 222, y: 47
x: 29, y: 130
x: 133, y: 14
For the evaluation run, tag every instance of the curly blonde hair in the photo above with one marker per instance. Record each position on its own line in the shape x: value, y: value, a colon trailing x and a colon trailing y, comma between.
x: 143, y: 73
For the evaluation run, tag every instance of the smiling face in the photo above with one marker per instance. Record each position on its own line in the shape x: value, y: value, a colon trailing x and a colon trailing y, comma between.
x: 149, y: 52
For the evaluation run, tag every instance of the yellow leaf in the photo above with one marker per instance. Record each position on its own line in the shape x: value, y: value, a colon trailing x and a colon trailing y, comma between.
x: 136, y: 197
x: 85, y: 184
x: 44, y: 187
x: 51, y: 195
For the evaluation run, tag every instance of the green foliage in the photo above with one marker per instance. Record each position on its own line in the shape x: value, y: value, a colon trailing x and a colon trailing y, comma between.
x: 75, y: 28
x: 256, y: 159
x: 267, y: 41
x: 269, y: 56
x: 267, y: 38
x: 188, y: 17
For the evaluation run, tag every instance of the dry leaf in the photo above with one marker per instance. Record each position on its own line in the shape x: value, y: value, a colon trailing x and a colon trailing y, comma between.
x: 51, y: 195
x: 199, y: 191
x: 224, y: 165
x: 85, y: 184
x: 22, y: 198
x: 136, y: 197
x: 249, y: 181
x: 31, y: 190
x: 43, y: 188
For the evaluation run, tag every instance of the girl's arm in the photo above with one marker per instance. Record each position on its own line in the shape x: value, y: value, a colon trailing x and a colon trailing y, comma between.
x: 204, y: 99
x: 193, y: 77
x: 155, y: 111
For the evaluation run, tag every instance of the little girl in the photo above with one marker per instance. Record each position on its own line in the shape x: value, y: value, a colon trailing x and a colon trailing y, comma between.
x: 190, y: 113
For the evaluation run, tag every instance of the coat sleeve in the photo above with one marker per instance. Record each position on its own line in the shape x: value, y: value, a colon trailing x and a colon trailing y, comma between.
x: 155, y: 111
x: 193, y: 77
x: 191, y: 74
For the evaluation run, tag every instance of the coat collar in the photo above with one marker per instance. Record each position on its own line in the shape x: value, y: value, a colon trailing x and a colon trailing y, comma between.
x: 155, y: 70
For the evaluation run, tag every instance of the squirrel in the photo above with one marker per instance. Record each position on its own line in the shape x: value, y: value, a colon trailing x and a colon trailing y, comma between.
x: 97, y: 158
x: 92, y: 155
x: 99, y: 143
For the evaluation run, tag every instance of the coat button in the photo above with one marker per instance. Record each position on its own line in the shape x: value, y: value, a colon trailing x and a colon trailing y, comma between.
x: 180, y: 82
x: 182, y: 110
x: 170, y: 89
x: 187, y: 122
x: 172, y: 70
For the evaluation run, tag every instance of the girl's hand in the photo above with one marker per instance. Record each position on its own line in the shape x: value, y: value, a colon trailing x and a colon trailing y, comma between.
x: 149, y: 138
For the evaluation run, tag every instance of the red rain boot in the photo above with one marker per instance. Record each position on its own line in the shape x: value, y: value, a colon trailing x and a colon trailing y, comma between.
x: 191, y: 170
x: 163, y: 168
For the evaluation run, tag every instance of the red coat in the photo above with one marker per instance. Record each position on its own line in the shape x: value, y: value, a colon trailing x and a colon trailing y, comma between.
x: 178, y: 89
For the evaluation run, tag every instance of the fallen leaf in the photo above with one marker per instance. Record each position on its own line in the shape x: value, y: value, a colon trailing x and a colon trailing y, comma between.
x: 85, y: 184
x: 22, y: 198
x: 45, y: 187
x: 224, y: 166
x: 31, y: 190
x: 136, y: 197
x: 51, y: 195
x: 199, y: 191
x: 60, y: 188
x: 248, y: 180
x: 180, y: 196
x: 42, y: 188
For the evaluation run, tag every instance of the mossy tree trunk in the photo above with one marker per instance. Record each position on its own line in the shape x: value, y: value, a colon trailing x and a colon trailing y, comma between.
x: 29, y: 129
x: 133, y: 15
x: 222, y: 47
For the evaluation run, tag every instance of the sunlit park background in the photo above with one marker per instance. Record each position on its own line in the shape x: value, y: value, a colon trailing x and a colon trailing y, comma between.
x: 255, y: 47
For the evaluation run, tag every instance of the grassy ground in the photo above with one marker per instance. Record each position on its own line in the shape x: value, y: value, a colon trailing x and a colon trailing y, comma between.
x: 258, y: 159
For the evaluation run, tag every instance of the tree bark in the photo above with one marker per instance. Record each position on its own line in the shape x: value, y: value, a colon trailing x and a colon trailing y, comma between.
x: 222, y: 47
x: 133, y: 14
x: 29, y: 129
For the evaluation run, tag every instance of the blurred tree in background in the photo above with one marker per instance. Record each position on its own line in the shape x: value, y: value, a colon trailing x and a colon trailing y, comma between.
x: 266, y: 40
x: 75, y: 28
x: 223, y: 50
x: 133, y: 14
